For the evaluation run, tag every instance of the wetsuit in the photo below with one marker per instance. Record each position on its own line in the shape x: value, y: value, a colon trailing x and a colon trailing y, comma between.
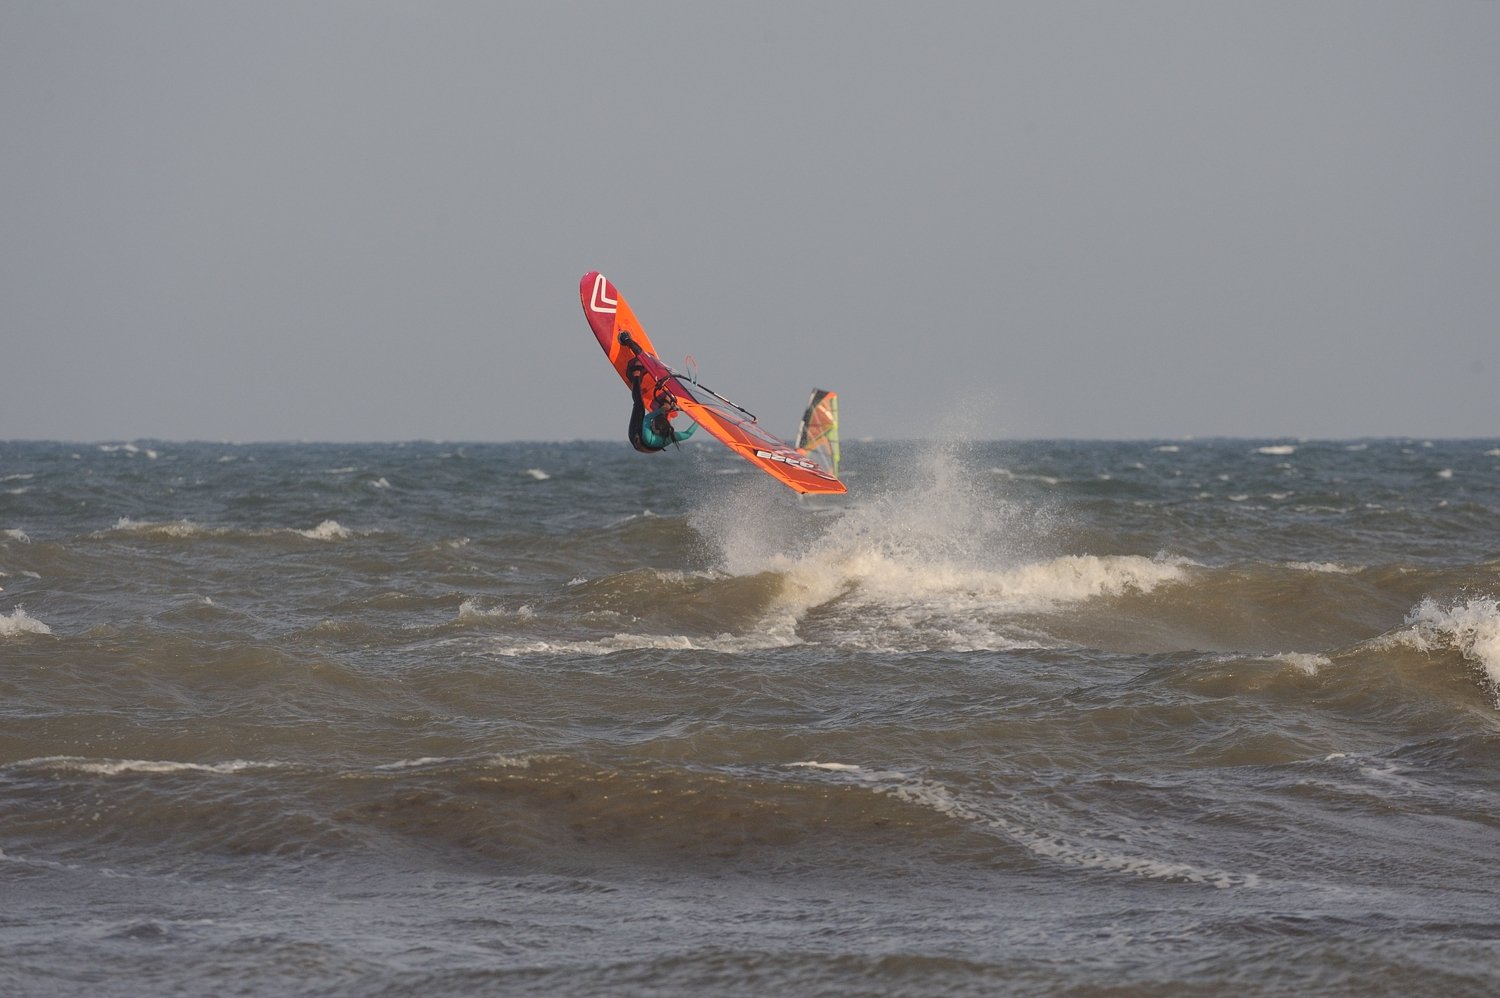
x: 653, y: 431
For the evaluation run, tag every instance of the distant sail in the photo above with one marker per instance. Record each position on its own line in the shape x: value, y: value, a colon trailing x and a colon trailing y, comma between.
x: 818, y: 437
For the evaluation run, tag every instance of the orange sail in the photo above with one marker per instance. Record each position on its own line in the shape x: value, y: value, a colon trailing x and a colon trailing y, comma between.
x: 620, y: 334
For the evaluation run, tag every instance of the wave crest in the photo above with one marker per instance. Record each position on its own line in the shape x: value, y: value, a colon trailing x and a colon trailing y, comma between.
x: 1471, y: 628
x: 19, y: 622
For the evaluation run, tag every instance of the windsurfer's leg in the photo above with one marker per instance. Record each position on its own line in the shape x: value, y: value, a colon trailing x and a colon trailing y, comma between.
x: 633, y: 371
x: 637, y: 416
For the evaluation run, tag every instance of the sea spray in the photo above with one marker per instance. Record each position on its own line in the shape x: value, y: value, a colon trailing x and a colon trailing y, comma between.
x: 941, y: 556
x: 19, y: 622
x: 940, y: 512
x: 1471, y: 628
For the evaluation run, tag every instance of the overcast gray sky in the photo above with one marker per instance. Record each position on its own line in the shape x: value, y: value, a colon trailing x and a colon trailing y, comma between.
x: 367, y: 221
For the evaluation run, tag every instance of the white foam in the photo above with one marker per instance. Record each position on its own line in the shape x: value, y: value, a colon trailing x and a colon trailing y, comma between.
x: 892, y: 604
x: 380, y: 483
x: 16, y: 535
x: 1167, y: 449
x: 1076, y: 578
x: 115, y: 767
x: 1445, y: 473
x: 19, y: 622
x: 1054, y: 846
x: 130, y: 450
x: 644, y: 514
x: 469, y: 610
x: 944, y: 562
x: 1471, y: 628
x: 1327, y: 567
x: 489, y: 762
x: 426, y: 760
x: 158, y: 528
x: 724, y: 643
x: 1308, y: 663
x: 328, y: 530
x: 1277, y: 449
x: 538, y: 474
x: 1492, y: 453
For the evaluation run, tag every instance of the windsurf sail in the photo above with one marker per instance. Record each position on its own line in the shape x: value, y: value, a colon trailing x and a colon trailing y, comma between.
x: 818, y: 436
x: 620, y: 335
x: 738, y: 429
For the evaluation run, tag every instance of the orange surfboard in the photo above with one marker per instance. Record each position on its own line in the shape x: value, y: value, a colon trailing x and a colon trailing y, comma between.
x: 620, y: 334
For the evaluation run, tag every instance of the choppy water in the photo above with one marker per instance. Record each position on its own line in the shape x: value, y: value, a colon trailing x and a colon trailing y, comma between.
x: 1123, y: 718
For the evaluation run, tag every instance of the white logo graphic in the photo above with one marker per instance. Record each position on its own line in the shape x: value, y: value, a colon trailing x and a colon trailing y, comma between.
x: 795, y: 462
x: 601, y: 301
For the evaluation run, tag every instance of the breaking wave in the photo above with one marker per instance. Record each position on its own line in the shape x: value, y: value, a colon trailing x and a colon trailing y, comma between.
x: 19, y: 622
x: 1471, y: 628
x: 946, y: 562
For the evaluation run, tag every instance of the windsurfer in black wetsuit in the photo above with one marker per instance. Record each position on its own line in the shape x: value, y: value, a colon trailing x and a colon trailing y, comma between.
x: 652, y: 431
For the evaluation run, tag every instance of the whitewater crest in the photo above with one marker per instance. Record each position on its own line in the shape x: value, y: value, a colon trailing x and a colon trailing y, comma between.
x: 947, y: 561
x: 724, y: 643
x: 1067, y: 849
x: 471, y: 610
x: 117, y: 767
x: 328, y: 530
x: 19, y: 622
x: 159, y: 528
x: 1471, y: 628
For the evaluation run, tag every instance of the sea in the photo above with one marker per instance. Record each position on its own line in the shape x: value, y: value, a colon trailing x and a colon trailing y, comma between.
x: 1166, y: 717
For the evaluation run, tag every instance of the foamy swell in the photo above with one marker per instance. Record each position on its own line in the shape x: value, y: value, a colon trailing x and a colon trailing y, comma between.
x: 1069, y: 850
x: 1470, y: 628
x: 933, y: 564
x: 723, y: 643
x: 327, y: 530
x: 117, y: 767
x: 19, y: 622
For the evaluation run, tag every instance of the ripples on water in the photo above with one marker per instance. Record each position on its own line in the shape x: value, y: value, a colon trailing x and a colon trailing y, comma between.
x: 1147, y: 718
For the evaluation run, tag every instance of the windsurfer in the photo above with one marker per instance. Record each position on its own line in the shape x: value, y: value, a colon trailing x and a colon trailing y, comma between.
x: 652, y: 431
